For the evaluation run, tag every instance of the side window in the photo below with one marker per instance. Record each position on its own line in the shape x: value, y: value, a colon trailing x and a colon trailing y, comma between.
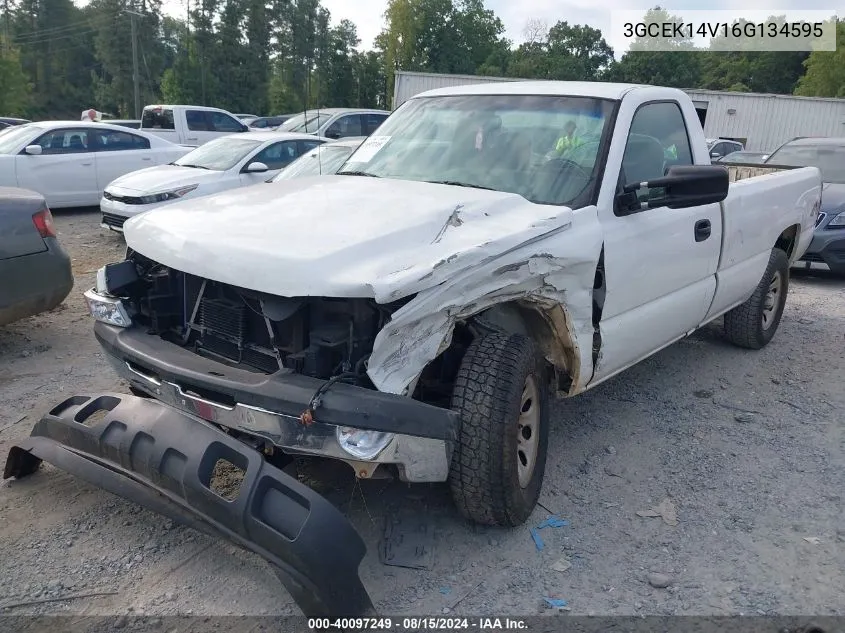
x: 277, y: 155
x: 70, y: 141
x: 157, y: 119
x: 224, y: 123
x: 349, y: 125
x: 657, y: 140
x: 719, y: 150
x: 197, y: 121
x: 373, y: 121
x: 119, y: 141
x: 307, y: 146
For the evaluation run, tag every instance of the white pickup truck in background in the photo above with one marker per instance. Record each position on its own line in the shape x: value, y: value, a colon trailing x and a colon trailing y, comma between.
x: 416, y: 311
x: 189, y: 125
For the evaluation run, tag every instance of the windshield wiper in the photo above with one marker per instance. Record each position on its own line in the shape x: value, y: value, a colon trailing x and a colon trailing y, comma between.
x: 357, y: 173
x: 194, y: 166
x: 458, y: 183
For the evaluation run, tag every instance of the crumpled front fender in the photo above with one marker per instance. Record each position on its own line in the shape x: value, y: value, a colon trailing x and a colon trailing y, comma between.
x: 164, y: 460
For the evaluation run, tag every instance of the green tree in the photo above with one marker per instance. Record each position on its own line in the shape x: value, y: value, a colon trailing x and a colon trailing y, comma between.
x: 825, y: 70
x: 565, y: 52
x: 15, y: 94
x: 679, y: 67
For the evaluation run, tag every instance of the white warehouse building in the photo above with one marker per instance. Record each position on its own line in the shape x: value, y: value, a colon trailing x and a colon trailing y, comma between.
x: 760, y: 121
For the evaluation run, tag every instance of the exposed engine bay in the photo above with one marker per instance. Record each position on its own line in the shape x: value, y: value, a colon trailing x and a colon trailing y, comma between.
x: 316, y: 336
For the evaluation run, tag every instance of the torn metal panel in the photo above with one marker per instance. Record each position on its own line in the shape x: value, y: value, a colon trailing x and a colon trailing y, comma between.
x: 549, y: 264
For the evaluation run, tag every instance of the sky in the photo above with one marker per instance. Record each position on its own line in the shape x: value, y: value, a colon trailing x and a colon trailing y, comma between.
x: 368, y: 14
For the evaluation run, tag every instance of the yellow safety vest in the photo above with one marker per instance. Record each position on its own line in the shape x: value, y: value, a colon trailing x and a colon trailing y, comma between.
x: 565, y: 143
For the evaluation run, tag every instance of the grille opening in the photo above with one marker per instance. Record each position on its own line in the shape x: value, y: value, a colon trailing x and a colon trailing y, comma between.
x: 96, y: 410
x: 226, y: 479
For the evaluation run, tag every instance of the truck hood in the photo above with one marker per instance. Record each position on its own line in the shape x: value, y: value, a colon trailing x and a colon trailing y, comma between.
x: 340, y: 236
x: 162, y: 178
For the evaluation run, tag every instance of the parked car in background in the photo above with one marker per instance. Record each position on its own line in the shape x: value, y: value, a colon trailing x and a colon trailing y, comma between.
x: 224, y: 163
x: 247, y: 118
x: 71, y: 162
x: 742, y: 157
x: 719, y: 147
x: 6, y: 121
x: 130, y: 123
x: 828, y: 154
x: 35, y: 272
x: 269, y: 122
x: 189, y: 125
x: 321, y: 161
x: 336, y: 123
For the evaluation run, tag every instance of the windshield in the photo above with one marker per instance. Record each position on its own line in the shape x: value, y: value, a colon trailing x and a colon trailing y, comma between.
x: 12, y: 137
x: 544, y: 148
x: 830, y: 159
x: 326, y: 159
x: 304, y: 124
x: 218, y: 155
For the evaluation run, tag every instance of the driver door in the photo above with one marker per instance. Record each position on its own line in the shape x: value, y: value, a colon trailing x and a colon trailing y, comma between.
x: 659, y: 264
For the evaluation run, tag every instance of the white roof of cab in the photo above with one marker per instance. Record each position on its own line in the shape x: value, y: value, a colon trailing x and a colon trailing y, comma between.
x: 597, y: 89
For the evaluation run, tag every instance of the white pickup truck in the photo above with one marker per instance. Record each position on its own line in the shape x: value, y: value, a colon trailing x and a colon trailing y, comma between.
x: 415, y: 312
x: 189, y: 125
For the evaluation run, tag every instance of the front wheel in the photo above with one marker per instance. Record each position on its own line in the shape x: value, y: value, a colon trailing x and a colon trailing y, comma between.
x: 754, y: 323
x: 502, y: 397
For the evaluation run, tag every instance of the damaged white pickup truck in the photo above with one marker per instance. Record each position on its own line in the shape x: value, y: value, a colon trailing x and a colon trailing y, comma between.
x: 416, y: 311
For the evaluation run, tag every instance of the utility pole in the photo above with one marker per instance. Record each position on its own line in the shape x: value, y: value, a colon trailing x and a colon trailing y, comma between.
x: 135, y: 74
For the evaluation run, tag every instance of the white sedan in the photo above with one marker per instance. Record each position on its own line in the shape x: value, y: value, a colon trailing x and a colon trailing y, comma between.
x: 228, y: 162
x: 71, y: 162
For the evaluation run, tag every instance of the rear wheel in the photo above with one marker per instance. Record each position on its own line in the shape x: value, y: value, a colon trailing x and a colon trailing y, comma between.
x: 500, y: 458
x: 754, y: 323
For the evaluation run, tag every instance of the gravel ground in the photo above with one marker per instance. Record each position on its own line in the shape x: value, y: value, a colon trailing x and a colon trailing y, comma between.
x: 740, y: 452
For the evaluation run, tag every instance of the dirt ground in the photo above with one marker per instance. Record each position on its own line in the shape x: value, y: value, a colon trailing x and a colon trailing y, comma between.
x: 748, y: 448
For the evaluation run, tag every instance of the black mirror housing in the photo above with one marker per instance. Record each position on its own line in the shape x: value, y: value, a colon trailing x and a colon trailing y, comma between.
x: 682, y: 187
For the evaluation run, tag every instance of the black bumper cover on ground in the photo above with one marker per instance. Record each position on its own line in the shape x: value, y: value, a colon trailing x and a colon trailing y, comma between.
x: 162, y: 459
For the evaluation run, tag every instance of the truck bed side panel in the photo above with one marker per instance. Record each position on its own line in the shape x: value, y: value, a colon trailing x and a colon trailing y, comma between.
x: 757, y: 210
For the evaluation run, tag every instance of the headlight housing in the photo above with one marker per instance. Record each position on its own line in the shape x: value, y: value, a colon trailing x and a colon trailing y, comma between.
x: 164, y: 196
x: 362, y: 444
x: 107, y: 309
x: 837, y: 221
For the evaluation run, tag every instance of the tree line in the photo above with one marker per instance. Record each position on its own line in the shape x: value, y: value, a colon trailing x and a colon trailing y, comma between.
x: 279, y: 56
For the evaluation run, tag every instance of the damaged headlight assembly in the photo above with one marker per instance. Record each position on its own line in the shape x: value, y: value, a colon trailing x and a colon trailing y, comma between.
x: 362, y: 444
x: 108, y: 310
x: 102, y: 304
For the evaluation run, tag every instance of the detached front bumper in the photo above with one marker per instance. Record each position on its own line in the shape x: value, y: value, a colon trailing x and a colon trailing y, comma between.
x: 269, y: 406
x: 165, y: 461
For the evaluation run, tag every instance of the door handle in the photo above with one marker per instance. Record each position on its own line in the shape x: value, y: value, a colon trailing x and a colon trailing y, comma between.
x: 146, y: 158
x: 86, y: 164
x: 702, y: 230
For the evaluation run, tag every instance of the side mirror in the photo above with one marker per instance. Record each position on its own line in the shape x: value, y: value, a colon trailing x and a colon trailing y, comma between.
x: 256, y: 168
x: 682, y: 187
x: 715, y: 155
x: 244, y: 127
x: 33, y: 150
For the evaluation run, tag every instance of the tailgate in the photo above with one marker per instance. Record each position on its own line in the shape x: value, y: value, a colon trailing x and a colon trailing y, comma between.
x: 18, y: 234
x: 198, y: 475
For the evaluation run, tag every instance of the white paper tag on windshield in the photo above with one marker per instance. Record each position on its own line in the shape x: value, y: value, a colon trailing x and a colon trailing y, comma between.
x: 370, y: 148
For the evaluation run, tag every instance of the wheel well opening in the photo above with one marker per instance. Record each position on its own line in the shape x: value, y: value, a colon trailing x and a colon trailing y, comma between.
x: 786, y: 240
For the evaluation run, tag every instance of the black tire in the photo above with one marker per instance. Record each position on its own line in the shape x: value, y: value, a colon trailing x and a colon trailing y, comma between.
x: 753, y: 324
x: 488, y: 394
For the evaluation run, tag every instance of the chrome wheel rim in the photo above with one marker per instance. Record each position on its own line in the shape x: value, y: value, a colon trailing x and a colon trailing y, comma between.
x: 528, y: 431
x: 771, y: 300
